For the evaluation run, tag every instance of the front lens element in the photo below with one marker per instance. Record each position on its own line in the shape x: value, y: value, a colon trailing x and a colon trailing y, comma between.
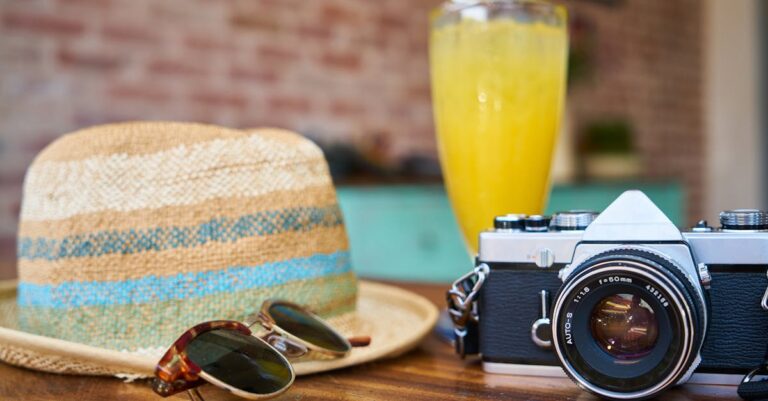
x: 243, y: 362
x: 624, y: 326
x: 307, y: 327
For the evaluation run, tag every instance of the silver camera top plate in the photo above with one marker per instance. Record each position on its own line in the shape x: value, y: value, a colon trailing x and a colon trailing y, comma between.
x: 631, y: 218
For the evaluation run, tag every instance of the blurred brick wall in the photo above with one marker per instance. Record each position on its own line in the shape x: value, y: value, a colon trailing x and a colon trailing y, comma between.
x: 342, y: 70
x: 649, y: 68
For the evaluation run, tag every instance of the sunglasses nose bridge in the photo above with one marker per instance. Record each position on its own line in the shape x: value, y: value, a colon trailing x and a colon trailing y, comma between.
x: 286, y: 346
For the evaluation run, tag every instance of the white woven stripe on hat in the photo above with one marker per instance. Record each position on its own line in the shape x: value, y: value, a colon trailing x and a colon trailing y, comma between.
x: 249, y: 166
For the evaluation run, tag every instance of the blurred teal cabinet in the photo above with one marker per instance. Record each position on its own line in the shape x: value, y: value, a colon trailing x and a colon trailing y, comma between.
x: 408, y: 232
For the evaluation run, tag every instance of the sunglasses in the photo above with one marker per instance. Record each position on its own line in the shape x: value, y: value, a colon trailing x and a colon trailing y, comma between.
x: 229, y: 355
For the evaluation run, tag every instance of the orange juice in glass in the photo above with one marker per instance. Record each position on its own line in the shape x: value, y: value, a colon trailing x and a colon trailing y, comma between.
x: 498, y: 81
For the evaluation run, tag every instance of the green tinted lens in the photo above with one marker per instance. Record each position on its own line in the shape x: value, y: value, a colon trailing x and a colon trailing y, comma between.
x: 307, y: 327
x: 241, y: 361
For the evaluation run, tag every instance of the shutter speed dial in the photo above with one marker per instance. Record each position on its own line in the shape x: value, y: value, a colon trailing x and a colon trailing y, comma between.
x: 573, y: 220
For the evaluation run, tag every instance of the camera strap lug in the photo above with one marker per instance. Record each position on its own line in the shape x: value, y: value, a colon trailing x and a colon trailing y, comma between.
x: 462, y: 308
x: 764, y: 301
x: 749, y: 388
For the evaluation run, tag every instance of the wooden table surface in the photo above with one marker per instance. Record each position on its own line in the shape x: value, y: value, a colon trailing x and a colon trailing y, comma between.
x: 431, y: 371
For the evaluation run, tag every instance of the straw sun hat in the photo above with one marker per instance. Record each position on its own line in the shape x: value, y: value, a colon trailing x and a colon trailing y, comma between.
x: 132, y: 233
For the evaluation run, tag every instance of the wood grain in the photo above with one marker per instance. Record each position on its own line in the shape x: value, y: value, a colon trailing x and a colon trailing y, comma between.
x: 429, y: 372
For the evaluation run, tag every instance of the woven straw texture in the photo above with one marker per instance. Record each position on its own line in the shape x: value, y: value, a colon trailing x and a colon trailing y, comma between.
x: 131, y: 233
x: 395, y: 319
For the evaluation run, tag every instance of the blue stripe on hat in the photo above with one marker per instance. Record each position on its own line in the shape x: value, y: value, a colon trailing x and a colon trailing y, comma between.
x: 152, y: 289
x: 222, y: 229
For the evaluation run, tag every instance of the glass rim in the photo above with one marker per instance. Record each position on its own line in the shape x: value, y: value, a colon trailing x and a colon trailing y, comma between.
x: 452, y: 8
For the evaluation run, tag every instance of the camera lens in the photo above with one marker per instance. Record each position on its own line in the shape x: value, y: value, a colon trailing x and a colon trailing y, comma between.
x: 628, y: 323
x: 624, y: 326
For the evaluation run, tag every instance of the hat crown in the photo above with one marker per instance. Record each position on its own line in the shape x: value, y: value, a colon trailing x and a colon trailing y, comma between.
x: 131, y: 233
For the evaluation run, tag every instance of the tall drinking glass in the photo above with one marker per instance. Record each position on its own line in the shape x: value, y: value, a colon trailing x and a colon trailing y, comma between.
x: 498, y: 81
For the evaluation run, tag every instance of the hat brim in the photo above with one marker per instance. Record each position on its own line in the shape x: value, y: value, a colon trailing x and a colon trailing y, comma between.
x: 395, y: 319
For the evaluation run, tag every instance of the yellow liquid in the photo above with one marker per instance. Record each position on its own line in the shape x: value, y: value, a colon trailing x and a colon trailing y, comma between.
x: 497, y: 89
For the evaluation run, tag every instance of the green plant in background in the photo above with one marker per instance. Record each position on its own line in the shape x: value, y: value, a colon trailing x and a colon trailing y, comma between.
x: 608, y: 136
x: 607, y: 150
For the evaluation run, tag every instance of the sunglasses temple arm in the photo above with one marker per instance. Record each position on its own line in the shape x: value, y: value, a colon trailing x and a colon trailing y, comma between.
x: 195, y: 395
x: 360, y: 341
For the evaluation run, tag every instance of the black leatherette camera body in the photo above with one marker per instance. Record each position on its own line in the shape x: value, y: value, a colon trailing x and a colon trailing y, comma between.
x: 735, y: 341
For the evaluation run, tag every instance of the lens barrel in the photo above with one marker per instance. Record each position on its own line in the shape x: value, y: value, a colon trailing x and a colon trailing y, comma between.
x: 628, y: 323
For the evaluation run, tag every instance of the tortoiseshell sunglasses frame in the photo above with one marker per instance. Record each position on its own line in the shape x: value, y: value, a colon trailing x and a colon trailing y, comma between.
x: 175, y: 372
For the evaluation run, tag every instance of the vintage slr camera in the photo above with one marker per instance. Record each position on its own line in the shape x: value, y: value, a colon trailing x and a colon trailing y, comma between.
x: 637, y: 305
